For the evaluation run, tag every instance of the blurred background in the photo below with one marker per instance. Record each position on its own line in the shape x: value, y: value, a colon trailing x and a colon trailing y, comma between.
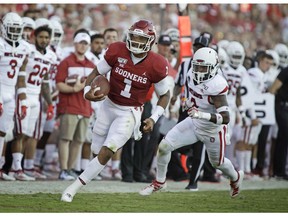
x: 256, y: 26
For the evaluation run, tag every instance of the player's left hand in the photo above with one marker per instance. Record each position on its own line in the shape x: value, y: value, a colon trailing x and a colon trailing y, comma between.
x: 50, y: 112
x: 149, y: 125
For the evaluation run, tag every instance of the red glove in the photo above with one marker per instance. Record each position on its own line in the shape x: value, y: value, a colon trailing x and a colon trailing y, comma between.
x: 1, y: 109
x: 50, y: 112
x: 23, y: 106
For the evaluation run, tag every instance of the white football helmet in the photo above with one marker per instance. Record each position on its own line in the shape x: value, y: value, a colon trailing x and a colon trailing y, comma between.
x: 223, y: 57
x: 204, y: 64
x: 12, y: 27
x: 282, y: 51
x: 42, y: 22
x: 223, y: 44
x: 28, y: 23
x: 144, y: 29
x: 57, y: 33
x: 276, y: 58
x: 236, y: 53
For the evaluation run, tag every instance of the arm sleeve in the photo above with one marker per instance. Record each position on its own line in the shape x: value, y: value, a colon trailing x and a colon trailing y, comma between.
x: 162, y: 86
x: 103, y: 67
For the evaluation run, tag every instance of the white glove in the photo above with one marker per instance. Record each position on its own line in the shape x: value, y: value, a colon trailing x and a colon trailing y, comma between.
x: 196, y: 114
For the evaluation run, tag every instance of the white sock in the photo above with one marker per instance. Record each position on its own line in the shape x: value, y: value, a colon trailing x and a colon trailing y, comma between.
x: 84, y: 163
x: 92, y: 170
x: 28, y: 163
x: 254, y: 162
x: 162, y: 165
x: 38, y: 157
x: 240, y: 156
x: 115, y: 164
x: 17, y: 158
x: 74, y: 187
x: 228, y: 169
x: 247, y: 159
x: 49, y: 151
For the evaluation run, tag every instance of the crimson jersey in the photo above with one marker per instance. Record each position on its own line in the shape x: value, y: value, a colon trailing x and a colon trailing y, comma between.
x: 130, y: 83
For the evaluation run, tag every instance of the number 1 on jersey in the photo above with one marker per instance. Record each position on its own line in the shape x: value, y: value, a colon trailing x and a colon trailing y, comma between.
x: 126, y: 92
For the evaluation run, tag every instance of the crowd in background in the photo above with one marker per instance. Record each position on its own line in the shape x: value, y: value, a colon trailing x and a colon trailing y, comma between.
x: 257, y: 26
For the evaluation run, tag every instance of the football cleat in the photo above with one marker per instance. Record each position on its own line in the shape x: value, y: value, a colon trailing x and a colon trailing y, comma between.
x: 20, y: 175
x: 236, y: 185
x: 153, y: 187
x: 6, y: 177
x: 35, y: 173
x: 66, y: 197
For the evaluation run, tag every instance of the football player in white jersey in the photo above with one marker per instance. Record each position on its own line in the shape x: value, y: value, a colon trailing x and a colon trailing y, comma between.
x: 207, y: 122
x: 13, y: 63
x: 46, y: 127
x: 37, y: 80
x: 233, y: 72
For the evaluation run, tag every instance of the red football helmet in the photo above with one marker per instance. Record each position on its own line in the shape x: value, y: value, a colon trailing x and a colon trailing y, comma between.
x: 141, y: 37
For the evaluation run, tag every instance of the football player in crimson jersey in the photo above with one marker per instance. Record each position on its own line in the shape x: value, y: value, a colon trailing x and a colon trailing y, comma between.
x: 13, y: 62
x: 207, y: 122
x: 134, y: 68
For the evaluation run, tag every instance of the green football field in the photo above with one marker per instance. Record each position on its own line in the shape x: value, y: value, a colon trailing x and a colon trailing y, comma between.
x: 268, y: 200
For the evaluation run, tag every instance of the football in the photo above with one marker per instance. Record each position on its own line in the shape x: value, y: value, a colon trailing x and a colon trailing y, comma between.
x: 101, y: 82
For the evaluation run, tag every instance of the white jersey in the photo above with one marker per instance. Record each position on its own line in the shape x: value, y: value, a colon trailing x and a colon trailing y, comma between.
x: 11, y: 60
x: 234, y: 80
x: 257, y: 78
x: 93, y: 58
x: 53, y: 70
x: 200, y: 96
x: 37, y: 67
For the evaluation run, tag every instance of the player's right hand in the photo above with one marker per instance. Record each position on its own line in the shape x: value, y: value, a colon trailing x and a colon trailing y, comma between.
x: 149, y: 125
x: 90, y: 95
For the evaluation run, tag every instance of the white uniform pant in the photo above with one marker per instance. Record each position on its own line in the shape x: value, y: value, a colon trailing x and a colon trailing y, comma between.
x: 185, y: 133
x: 114, y: 126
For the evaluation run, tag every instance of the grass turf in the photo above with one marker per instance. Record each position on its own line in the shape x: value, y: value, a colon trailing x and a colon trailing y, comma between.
x: 274, y: 200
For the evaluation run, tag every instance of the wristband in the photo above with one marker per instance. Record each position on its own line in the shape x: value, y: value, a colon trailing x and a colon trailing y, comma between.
x: 219, y: 119
x: 158, y: 113
x: 21, y: 90
x: 223, y: 109
x: 22, y: 73
x: 23, y: 103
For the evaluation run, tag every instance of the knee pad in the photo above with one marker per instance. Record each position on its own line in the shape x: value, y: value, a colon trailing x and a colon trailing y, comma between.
x: 165, y: 147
